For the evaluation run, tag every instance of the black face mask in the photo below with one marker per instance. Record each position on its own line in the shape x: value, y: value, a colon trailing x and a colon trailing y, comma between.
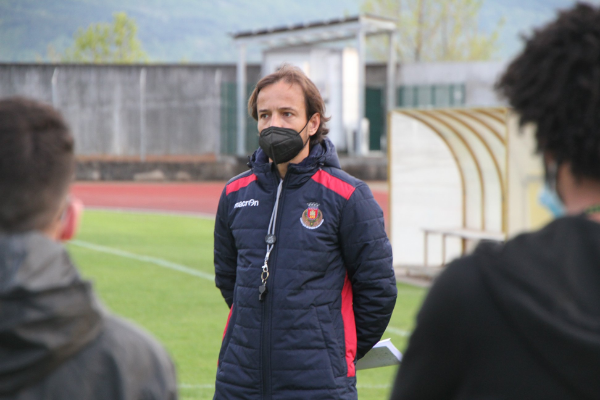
x: 281, y: 144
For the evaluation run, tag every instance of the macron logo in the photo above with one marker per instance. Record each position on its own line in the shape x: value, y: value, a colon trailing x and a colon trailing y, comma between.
x: 246, y: 203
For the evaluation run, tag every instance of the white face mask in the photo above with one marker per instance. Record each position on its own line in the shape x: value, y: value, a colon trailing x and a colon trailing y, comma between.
x: 551, y: 201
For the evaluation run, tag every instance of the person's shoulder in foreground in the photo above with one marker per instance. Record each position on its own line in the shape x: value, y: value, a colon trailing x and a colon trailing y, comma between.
x: 56, y: 341
x: 507, y: 320
x: 134, y: 363
x: 59, y: 343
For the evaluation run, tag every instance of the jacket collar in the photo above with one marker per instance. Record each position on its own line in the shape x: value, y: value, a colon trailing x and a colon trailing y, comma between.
x: 321, y: 155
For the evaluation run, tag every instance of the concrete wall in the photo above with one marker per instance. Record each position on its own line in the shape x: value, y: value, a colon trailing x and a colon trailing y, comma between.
x: 182, y: 111
x: 135, y: 110
x: 131, y: 110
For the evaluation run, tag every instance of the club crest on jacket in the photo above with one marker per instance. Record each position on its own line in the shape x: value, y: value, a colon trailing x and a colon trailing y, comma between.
x: 312, y: 217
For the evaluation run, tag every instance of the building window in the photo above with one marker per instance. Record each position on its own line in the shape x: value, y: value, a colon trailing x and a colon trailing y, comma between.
x: 431, y: 96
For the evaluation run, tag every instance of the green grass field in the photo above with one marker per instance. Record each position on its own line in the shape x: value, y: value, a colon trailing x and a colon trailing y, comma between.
x: 156, y: 270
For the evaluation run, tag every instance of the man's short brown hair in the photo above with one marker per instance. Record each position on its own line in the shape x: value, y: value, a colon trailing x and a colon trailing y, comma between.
x: 312, y: 97
x: 36, y: 164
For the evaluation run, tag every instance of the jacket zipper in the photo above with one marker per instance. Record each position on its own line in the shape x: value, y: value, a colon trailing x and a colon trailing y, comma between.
x: 266, y: 310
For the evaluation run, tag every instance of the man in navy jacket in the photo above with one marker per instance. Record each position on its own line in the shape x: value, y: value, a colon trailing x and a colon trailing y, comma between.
x: 301, y: 257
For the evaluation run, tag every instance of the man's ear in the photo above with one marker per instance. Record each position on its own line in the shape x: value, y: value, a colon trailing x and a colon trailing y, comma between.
x: 314, y: 123
x: 70, y: 219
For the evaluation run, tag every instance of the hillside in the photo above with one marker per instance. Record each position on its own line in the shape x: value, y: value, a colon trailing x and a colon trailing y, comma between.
x: 198, y: 30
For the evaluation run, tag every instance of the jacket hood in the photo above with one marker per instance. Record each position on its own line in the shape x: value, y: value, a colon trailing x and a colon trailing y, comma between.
x: 322, y: 154
x: 547, y: 286
x: 47, y: 312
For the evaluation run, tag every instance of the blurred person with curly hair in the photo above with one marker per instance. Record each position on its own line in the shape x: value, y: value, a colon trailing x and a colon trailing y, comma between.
x: 521, y: 320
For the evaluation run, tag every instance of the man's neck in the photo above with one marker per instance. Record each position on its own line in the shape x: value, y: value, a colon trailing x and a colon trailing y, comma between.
x: 282, y: 168
x: 582, y: 203
x: 579, y: 194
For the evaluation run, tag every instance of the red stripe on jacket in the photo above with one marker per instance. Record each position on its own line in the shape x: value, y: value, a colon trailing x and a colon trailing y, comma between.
x: 227, y: 324
x: 240, y: 183
x: 349, y: 326
x: 331, y: 182
x: 225, y: 330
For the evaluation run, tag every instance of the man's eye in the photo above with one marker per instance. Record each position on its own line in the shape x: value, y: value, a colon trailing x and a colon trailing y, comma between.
x: 262, y: 116
x: 287, y: 114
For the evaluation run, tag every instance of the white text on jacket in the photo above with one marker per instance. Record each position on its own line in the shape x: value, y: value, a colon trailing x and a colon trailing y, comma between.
x: 246, y: 203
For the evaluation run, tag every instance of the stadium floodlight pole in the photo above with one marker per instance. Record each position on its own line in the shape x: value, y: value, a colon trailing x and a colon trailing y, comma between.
x: 54, y: 88
x: 241, y: 100
x: 143, y: 114
x: 218, y: 89
x: 391, y: 72
x: 360, y: 45
x: 390, y: 103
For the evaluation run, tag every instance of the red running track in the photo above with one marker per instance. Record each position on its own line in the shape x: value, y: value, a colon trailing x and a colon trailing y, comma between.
x: 198, y: 197
x: 175, y: 197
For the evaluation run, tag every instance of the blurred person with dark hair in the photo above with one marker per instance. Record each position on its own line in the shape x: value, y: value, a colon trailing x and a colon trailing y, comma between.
x: 522, y: 320
x: 56, y: 341
x: 301, y: 257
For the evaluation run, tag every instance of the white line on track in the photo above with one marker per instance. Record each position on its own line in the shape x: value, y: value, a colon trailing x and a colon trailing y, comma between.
x: 399, y: 332
x: 152, y: 260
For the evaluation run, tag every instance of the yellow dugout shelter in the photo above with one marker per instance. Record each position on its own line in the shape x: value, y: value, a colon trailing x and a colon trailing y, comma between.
x: 457, y: 176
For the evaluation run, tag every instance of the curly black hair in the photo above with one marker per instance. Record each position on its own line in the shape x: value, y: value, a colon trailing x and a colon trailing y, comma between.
x: 555, y: 84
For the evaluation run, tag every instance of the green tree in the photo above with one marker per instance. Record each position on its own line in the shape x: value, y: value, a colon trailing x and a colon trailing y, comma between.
x: 435, y: 30
x: 103, y: 42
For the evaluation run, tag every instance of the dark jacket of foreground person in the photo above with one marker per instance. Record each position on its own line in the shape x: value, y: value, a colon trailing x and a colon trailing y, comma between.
x: 56, y: 342
x: 332, y: 288
x: 517, y: 321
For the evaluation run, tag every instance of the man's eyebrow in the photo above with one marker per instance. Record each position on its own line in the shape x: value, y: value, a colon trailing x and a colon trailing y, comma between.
x: 285, y: 108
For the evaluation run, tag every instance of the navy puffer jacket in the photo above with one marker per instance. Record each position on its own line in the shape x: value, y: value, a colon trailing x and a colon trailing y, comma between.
x: 331, y: 289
